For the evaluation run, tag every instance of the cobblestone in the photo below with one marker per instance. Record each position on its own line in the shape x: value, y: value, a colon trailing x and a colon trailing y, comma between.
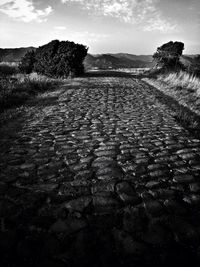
x: 104, y: 174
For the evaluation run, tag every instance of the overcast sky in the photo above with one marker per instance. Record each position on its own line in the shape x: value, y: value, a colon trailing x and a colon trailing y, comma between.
x: 106, y: 26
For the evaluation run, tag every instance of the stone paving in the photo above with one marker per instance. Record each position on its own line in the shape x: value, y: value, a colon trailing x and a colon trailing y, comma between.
x: 102, y: 175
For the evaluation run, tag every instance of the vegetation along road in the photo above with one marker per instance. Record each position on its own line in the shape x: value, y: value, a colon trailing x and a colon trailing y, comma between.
x: 98, y: 173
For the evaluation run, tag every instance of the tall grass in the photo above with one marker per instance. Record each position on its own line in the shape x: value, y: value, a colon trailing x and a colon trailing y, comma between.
x: 182, y: 80
x: 7, y: 69
x: 15, y: 90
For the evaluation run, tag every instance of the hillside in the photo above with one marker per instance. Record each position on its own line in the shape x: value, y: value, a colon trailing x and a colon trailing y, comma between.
x: 13, y: 54
x: 116, y: 61
x: 100, y: 61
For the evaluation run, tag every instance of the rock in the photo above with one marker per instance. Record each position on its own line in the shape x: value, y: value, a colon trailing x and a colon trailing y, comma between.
x: 105, y: 153
x: 135, y: 220
x: 103, y: 162
x: 158, y: 173
x: 152, y: 184
x: 184, y: 178
x: 195, y: 187
x: 3, y: 188
x: 113, y: 172
x: 174, y: 207
x: 163, y: 193
x: 153, y: 167
x: 184, y: 232
x: 153, y: 208
x: 27, y: 166
x: 71, y: 191
x: 52, y: 245
x: 7, y: 240
x: 79, y: 204
x: 127, y: 243
x: 24, y: 175
x: 9, y: 178
x: 187, y: 156
x: 105, y: 204
x: 192, y: 199
x: 127, y: 194
x: 103, y: 186
x: 45, y: 187
x: 59, y: 227
x: 157, y: 235
x: 68, y: 226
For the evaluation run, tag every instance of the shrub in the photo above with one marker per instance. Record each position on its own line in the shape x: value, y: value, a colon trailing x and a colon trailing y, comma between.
x: 27, y: 63
x: 60, y: 59
x: 195, y: 66
x: 168, y: 55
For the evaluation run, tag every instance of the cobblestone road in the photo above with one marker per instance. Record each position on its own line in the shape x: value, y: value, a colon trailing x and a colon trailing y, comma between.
x: 99, y: 174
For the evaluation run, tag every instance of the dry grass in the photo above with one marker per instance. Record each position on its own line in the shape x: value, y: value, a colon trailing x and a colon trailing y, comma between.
x: 182, y: 80
x: 16, y: 89
x: 181, y: 92
x: 7, y: 69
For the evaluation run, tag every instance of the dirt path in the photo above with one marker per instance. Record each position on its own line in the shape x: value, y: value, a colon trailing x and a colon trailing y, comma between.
x: 99, y: 173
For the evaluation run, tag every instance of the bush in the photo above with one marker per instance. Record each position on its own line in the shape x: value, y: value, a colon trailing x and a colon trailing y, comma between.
x: 7, y: 70
x: 27, y: 63
x: 60, y: 59
x: 168, y: 55
x: 195, y: 66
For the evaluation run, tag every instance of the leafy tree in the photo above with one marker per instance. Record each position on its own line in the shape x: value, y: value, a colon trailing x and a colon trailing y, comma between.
x: 45, y: 63
x: 57, y: 59
x: 168, y: 55
x: 27, y: 63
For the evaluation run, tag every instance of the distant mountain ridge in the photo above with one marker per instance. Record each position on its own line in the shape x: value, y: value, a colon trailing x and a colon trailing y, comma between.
x: 115, y: 61
x: 98, y: 61
x: 14, y: 54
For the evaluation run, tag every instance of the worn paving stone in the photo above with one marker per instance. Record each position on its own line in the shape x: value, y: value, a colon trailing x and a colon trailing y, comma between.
x: 101, y: 175
x: 184, y: 178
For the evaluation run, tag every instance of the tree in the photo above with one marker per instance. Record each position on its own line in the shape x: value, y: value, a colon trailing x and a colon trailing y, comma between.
x: 168, y: 55
x: 27, y: 63
x: 60, y: 59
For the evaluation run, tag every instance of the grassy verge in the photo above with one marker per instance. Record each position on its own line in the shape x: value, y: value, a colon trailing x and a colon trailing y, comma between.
x: 8, y: 69
x: 182, y: 81
x: 181, y: 92
x: 15, y: 90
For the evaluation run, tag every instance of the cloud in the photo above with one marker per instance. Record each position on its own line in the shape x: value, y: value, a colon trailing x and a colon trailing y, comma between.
x: 24, y: 10
x: 62, y: 33
x: 60, y: 28
x: 141, y: 12
x: 160, y: 24
x: 87, y: 36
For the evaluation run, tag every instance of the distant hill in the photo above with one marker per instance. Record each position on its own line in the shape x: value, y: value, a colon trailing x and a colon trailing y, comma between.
x: 115, y: 61
x: 146, y: 58
x: 13, y: 54
x: 100, y: 61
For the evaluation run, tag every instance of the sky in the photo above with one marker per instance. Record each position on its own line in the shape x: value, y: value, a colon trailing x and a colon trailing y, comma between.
x: 105, y: 26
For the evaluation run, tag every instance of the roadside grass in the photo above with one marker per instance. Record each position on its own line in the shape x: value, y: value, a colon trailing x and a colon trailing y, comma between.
x: 181, y: 80
x: 180, y: 91
x: 15, y: 90
x: 7, y: 69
